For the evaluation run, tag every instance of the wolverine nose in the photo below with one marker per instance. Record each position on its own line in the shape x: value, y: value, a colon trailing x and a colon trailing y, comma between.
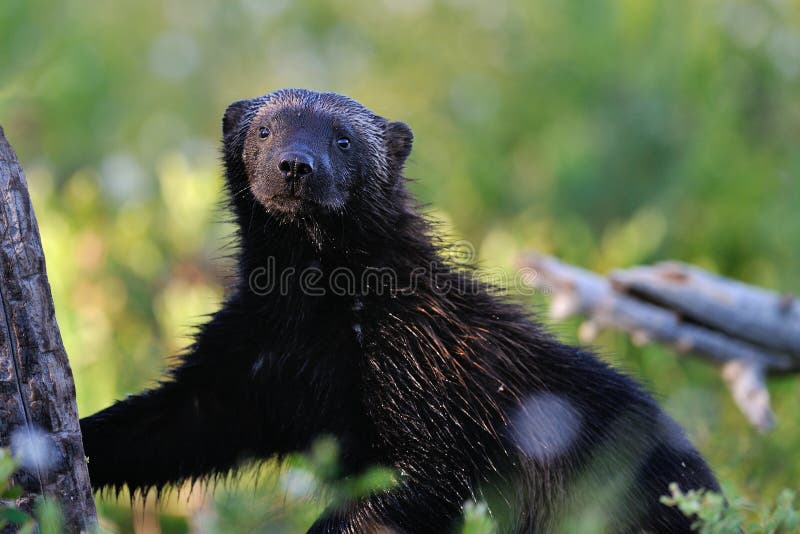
x: 295, y: 165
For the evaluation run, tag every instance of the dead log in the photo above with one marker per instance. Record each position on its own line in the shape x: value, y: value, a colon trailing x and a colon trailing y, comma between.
x: 38, y: 414
x: 763, y: 317
x: 748, y: 332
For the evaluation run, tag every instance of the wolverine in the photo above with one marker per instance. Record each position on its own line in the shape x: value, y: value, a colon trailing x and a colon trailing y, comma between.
x: 460, y: 391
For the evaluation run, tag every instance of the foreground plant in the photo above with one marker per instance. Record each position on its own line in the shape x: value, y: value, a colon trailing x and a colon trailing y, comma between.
x: 716, y: 515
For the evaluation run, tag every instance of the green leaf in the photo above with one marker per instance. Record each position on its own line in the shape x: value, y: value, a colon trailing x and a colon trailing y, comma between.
x: 48, y: 515
x: 12, y: 493
x: 7, y: 467
x: 374, y: 479
x: 14, y: 515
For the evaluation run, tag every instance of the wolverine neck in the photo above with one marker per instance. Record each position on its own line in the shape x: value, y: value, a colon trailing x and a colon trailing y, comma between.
x: 353, y: 253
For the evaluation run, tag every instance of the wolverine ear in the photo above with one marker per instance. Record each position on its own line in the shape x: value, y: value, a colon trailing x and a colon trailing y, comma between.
x: 233, y: 116
x: 399, y: 139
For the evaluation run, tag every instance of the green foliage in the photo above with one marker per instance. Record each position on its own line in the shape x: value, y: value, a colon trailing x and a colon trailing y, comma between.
x: 9, y: 513
x: 304, y: 486
x: 608, y: 133
x: 477, y: 519
x: 321, y: 466
x: 49, y: 517
x: 713, y: 514
x: 785, y: 517
x: 47, y: 513
x: 716, y: 515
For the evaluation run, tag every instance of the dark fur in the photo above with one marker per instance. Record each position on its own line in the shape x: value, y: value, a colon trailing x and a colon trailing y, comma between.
x: 458, y: 390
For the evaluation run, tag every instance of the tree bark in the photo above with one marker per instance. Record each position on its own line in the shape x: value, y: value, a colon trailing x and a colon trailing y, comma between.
x: 38, y: 414
x: 747, y: 331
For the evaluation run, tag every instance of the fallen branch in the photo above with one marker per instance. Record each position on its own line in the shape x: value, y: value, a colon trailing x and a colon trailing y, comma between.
x: 749, y: 332
x: 763, y: 317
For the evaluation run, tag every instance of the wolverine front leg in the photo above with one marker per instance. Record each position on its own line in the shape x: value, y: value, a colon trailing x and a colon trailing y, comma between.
x: 175, y: 432
x: 185, y: 428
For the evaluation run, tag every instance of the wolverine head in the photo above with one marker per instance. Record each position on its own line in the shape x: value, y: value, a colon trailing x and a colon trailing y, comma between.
x: 303, y: 152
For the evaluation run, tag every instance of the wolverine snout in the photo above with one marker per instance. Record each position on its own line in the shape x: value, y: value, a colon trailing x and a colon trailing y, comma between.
x: 296, y: 165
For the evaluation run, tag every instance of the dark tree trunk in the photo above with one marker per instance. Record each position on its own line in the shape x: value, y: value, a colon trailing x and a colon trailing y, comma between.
x: 37, y: 395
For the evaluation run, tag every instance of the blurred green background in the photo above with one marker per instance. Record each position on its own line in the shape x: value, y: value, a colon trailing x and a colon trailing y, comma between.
x: 609, y: 133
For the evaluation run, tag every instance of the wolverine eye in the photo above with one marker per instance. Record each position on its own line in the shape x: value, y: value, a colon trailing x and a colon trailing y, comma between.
x: 343, y: 143
x: 263, y: 132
